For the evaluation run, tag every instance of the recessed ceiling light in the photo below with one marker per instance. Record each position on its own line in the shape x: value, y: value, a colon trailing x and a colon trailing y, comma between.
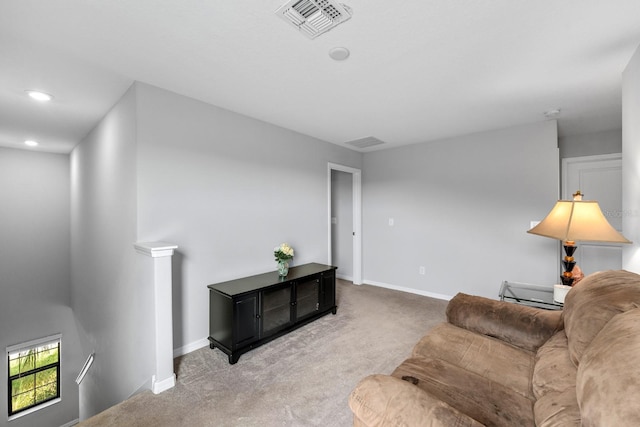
x: 339, y: 53
x: 39, y: 96
x: 31, y: 143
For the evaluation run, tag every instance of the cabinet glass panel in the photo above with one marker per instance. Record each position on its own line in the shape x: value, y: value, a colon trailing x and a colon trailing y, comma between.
x: 276, y: 308
x: 307, y: 298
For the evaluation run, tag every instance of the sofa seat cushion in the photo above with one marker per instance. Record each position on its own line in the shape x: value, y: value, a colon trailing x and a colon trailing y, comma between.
x: 608, y: 379
x: 385, y: 401
x: 557, y: 409
x: 593, y: 302
x: 554, y: 371
x: 486, y: 401
x: 488, y: 357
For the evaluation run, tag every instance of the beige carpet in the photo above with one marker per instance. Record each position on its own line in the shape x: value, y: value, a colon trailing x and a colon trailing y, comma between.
x: 301, y: 379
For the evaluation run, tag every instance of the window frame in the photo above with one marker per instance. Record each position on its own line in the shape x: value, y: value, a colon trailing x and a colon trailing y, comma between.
x: 25, y: 347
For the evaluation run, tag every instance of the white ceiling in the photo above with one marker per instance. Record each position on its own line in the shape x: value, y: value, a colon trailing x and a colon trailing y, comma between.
x: 419, y: 70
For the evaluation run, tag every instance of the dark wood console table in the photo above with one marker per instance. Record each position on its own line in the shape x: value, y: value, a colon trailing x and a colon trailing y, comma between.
x: 248, y: 312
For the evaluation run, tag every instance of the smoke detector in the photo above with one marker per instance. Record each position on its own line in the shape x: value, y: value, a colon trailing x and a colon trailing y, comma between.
x: 314, y: 17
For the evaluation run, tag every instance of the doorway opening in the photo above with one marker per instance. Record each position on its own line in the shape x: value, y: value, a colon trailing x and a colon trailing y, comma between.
x: 345, y: 220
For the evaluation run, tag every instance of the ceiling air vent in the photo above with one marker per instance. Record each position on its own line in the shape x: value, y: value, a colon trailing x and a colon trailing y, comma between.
x: 314, y: 17
x: 367, y: 142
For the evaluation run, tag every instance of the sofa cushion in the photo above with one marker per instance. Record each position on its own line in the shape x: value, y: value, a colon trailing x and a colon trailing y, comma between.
x: 553, y: 371
x: 385, y: 401
x: 522, y: 326
x: 593, y: 302
x: 608, y: 379
x: 485, y: 401
x: 488, y: 357
x: 557, y: 409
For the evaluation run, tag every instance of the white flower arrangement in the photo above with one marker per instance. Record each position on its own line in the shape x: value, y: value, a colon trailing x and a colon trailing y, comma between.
x: 283, y: 252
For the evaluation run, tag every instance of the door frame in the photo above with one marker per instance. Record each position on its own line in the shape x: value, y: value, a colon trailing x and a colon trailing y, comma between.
x: 602, y: 162
x: 567, y: 192
x: 357, y: 217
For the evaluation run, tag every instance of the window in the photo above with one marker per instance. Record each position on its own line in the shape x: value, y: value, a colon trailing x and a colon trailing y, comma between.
x: 34, y: 375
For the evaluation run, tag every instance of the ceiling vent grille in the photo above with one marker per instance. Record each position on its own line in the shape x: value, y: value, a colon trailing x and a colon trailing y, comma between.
x: 314, y: 17
x: 367, y: 142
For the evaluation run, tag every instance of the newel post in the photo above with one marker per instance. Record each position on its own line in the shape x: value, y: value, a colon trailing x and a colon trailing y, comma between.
x: 161, y: 253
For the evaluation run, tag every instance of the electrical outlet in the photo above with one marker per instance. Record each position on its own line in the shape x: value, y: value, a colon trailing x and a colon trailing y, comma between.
x: 391, y: 221
x: 422, y: 270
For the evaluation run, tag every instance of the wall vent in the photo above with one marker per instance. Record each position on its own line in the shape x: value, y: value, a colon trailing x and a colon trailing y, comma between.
x: 367, y: 142
x: 314, y: 17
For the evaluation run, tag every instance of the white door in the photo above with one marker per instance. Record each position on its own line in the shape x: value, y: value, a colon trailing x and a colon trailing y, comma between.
x: 598, y: 178
x: 356, y: 209
x: 342, y: 223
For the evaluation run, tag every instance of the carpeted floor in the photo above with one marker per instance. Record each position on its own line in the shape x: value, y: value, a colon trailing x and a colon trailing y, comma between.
x: 301, y: 379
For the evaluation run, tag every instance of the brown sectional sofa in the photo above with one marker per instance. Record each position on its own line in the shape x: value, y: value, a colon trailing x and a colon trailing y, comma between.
x: 495, y: 363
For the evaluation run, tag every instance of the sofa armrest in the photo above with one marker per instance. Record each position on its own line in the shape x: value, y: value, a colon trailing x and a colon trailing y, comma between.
x: 382, y: 400
x: 519, y: 325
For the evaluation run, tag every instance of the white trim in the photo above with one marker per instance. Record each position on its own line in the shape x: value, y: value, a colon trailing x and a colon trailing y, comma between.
x: 34, y: 343
x: 582, y: 159
x: 155, y: 249
x: 409, y: 290
x: 343, y: 277
x: 159, y: 386
x: 71, y: 423
x: 192, y: 346
x: 357, y: 217
x: 35, y: 408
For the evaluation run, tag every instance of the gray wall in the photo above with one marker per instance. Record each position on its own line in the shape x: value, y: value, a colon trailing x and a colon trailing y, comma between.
x: 113, y: 307
x: 592, y: 144
x: 226, y: 189
x: 34, y: 266
x: 342, y: 223
x: 631, y: 163
x: 461, y: 208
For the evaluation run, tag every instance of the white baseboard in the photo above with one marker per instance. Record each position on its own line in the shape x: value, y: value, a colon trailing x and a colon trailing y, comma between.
x: 409, y: 290
x: 71, y: 423
x: 165, y: 384
x: 343, y: 277
x: 193, y: 346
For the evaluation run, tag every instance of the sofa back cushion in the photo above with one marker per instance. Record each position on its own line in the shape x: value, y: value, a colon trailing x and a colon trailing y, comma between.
x: 593, y: 302
x: 608, y: 378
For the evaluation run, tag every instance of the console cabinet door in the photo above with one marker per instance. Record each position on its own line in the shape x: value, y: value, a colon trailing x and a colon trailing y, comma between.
x: 247, y: 320
x: 307, y: 297
x: 328, y: 290
x: 277, y: 307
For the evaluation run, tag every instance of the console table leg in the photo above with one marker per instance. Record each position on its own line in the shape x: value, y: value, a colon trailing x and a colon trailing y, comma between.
x: 335, y: 310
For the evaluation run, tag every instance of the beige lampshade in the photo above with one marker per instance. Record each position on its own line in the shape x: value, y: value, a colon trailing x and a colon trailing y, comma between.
x: 578, y: 220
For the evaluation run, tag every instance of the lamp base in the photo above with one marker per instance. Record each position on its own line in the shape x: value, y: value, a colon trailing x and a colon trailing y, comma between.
x: 559, y: 292
x: 567, y: 281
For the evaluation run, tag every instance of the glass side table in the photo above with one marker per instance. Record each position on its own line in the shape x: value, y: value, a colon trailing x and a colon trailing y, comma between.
x: 538, y: 296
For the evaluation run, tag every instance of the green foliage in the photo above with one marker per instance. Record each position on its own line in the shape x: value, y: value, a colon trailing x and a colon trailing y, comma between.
x: 283, y: 252
x: 30, y: 388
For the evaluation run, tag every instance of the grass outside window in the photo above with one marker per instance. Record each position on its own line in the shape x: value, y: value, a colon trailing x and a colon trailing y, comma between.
x: 34, y: 375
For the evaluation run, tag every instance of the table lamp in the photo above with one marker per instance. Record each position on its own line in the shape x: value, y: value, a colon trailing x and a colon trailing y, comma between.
x: 576, y: 220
